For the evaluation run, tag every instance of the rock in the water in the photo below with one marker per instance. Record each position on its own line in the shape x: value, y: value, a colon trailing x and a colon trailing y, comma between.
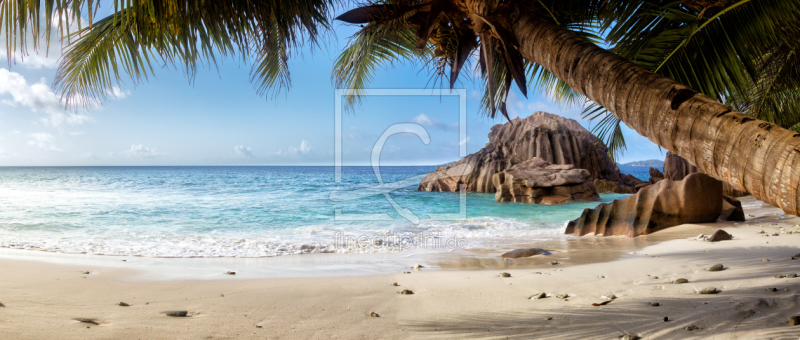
x: 794, y: 320
x: 679, y: 281
x: 123, y: 304
x: 695, y: 199
x: 374, y: 315
x: 708, y: 290
x: 655, y: 174
x: 720, y: 235
x: 731, y: 210
x: 417, y: 267
x: 604, y: 186
x: 525, y: 252
x: 538, y: 296
x: 551, y: 137
x: 715, y: 268
x: 178, y: 313
x: 539, y: 181
x: 405, y: 292
x: 504, y: 274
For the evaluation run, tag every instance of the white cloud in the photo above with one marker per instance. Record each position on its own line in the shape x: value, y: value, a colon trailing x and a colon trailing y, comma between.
x: 76, y: 133
x: 16, y: 132
x: 143, y: 151
x: 43, y: 140
x: 428, y: 121
x: 37, y: 97
x: 305, y: 147
x: 243, y: 151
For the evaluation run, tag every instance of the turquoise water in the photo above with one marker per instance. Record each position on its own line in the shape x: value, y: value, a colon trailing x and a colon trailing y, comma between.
x: 249, y: 212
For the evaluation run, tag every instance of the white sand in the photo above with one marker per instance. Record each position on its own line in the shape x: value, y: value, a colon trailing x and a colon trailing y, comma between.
x: 43, y: 297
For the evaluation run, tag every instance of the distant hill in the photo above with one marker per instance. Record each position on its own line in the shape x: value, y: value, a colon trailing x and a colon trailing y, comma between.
x: 648, y: 163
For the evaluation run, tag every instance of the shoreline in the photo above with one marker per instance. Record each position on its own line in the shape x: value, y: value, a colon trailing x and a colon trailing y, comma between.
x: 458, y: 295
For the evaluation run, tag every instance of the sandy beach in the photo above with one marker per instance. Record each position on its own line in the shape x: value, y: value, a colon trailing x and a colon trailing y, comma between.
x: 456, y: 295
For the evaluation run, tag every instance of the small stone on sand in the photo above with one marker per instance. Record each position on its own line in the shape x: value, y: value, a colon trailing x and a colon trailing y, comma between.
x: 715, y: 268
x: 709, y: 290
x: 691, y: 328
x: 655, y: 304
x: 91, y: 321
x: 405, y: 292
x: 538, y: 296
x: 548, y: 318
x: 123, y: 304
x: 608, y: 297
x: 772, y: 289
x: 504, y: 274
x: 563, y: 296
x: 779, y: 276
x: 792, y: 275
x: 794, y: 320
x: 553, y: 263
x: 374, y: 315
x: 765, y: 260
x: 629, y: 337
x: 417, y: 267
x: 679, y: 281
x: 178, y: 313
x: 231, y: 273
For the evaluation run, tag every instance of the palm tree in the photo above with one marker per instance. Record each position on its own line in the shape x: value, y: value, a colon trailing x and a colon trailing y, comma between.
x: 553, y: 38
x: 728, y: 51
x: 750, y: 154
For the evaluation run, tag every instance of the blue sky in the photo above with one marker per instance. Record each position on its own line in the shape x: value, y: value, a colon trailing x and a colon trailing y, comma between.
x: 220, y: 120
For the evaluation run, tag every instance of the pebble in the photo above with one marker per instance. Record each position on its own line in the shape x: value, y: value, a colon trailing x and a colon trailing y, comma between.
x: 602, y: 277
x: 666, y: 319
x: 691, y: 328
x: 792, y: 275
x: 123, y: 304
x: 417, y: 267
x: 708, y: 290
x: 563, y: 296
x: 406, y: 272
x: 86, y: 272
x: 629, y: 337
x: 395, y: 284
x: 405, y: 292
x: 608, y: 297
x: 178, y: 313
x: 715, y: 268
x: 765, y: 260
x: 91, y: 321
x: 779, y: 276
x: 794, y: 320
x: 679, y: 281
x: 553, y: 263
x: 772, y: 289
x: 548, y: 318
x: 776, y: 234
x: 504, y: 274
x: 231, y: 273
x: 655, y: 304
x: 655, y: 277
x: 374, y: 315
x: 538, y: 296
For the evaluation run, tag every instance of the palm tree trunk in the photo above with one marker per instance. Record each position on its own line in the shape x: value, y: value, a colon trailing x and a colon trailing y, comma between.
x: 749, y: 154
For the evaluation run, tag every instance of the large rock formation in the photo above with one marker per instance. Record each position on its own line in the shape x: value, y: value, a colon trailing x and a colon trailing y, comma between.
x: 550, y: 137
x: 695, y: 199
x: 541, y: 182
x: 676, y: 168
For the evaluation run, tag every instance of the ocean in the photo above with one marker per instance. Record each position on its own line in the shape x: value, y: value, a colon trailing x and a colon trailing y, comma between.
x: 255, y: 212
